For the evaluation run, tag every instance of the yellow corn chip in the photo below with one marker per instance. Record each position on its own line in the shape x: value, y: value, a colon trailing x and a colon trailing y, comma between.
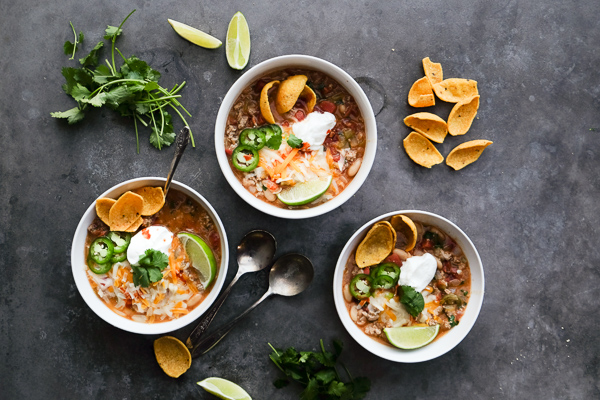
x: 310, y: 97
x: 433, y: 71
x: 154, y: 199
x: 421, y: 150
x: 376, y: 246
x: 466, y: 153
x: 103, y: 207
x: 125, y: 211
x: 462, y: 116
x: 407, y: 228
x: 172, y: 356
x: 288, y: 93
x: 429, y: 125
x: 421, y: 94
x: 265, y: 107
x: 455, y: 89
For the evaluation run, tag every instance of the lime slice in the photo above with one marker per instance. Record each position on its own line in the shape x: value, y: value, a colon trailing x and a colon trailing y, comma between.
x: 304, y: 193
x: 237, y: 46
x: 200, y: 255
x: 224, y: 389
x: 411, y: 337
x: 195, y: 36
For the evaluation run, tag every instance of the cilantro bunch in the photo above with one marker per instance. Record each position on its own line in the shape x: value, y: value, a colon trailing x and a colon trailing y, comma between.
x: 413, y: 300
x: 131, y: 89
x: 317, y: 373
x: 148, y: 268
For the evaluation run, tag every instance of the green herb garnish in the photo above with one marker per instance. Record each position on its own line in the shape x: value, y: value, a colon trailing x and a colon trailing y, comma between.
x: 294, y: 141
x: 317, y: 373
x: 132, y: 90
x: 412, y: 300
x: 148, y: 268
x: 274, y: 142
x: 453, y: 321
x: 71, y: 48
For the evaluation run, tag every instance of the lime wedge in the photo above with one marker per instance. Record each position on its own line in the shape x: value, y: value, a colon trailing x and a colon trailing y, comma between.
x: 237, y: 46
x: 200, y: 255
x: 304, y: 193
x: 195, y: 36
x: 411, y: 337
x: 224, y: 389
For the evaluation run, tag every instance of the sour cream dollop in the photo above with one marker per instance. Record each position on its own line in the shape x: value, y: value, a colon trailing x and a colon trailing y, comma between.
x: 154, y: 237
x: 418, y: 271
x: 313, y: 129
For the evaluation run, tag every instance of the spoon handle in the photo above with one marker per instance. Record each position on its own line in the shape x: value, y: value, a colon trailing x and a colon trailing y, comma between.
x: 210, y: 341
x: 209, y: 315
x: 180, y: 144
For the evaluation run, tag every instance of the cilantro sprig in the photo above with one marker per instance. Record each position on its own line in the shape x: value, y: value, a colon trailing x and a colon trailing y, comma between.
x: 413, y: 300
x: 317, y: 373
x: 132, y: 90
x: 294, y: 141
x: 71, y: 48
x: 148, y: 268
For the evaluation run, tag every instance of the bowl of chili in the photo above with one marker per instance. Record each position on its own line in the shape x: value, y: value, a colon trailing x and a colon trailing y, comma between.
x: 186, y: 213
x: 375, y: 342
x: 347, y: 153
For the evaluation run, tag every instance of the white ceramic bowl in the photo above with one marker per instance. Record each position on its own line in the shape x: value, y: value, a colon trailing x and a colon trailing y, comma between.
x: 450, y: 339
x: 79, y: 266
x: 312, y: 63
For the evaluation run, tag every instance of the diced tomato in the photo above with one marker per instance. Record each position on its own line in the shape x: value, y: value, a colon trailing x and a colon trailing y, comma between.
x: 427, y: 244
x: 394, y: 258
x: 214, y: 239
x: 335, y: 157
x: 272, y: 186
x: 248, y: 157
x: 285, y: 123
x: 300, y: 115
x: 229, y: 152
x: 305, y: 146
x: 326, y: 89
x: 327, y: 106
x: 367, y: 270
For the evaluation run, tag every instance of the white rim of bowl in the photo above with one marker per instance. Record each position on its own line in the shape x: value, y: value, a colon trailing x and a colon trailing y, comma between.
x: 450, y: 339
x: 78, y: 265
x: 343, y: 78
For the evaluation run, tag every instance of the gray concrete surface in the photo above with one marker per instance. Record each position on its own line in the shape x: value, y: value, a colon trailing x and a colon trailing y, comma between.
x: 530, y: 204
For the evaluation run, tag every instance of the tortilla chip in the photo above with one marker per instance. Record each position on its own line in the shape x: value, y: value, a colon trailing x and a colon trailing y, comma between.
x: 433, y: 71
x: 265, y: 106
x: 288, y: 93
x: 407, y: 228
x: 429, y: 125
x: 455, y: 89
x: 462, y: 116
x: 421, y: 150
x: 421, y: 94
x: 466, y: 153
x: 310, y: 97
x: 394, y: 237
x: 172, y: 356
x: 154, y: 199
x: 103, y: 207
x: 376, y: 246
x: 125, y: 211
x: 134, y: 227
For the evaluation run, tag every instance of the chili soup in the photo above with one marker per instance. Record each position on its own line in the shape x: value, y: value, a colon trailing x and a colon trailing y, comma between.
x: 295, y: 138
x: 154, y: 274
x: 422, y: 278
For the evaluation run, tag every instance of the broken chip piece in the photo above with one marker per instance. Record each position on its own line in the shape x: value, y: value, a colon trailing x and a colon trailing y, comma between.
x: 421, y: 94
x: 407, y: 228
x: 429, y: 125
x: 454, y: 90
x: 421, y: 150
x: 433, y: 71
x: 466, y: 153
x: 462, y: 116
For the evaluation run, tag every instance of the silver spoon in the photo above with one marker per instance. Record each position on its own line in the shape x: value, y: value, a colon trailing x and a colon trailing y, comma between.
x: 181, y: 143
x: 291, y: 274
x: 254, y: 253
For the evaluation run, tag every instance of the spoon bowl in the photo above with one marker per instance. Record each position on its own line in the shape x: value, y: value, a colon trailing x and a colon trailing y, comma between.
x: 290, y: 275
x: 256, y: 250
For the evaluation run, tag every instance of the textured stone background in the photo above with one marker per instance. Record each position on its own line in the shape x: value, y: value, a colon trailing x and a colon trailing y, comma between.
x: 530, y: 204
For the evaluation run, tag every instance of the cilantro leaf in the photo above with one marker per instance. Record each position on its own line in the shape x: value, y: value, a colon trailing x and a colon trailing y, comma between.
x: 413, y: 300
x: 294, y: 142
x: 97, y: 101
x: 118, y: 95
x: 274, y: 142
x: 73, y: 115
x: 79, y: 92
x: 102, y: 74
x: 112, y: 31
x: 91, y: 60
x: 73, y: 76
x: 134, y: 68
x: 453, y: 321
x: 311, y: 392
x: 148, y: 267
x: 165, y: 136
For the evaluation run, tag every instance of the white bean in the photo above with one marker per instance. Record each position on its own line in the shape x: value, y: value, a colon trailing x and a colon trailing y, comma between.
x: 439, y: 263
x: 270, y: 196
x: 347, y: 294
x: 402, y: 254
x: 354, y: 167
x: 195, y: 299
x: 353, y: 313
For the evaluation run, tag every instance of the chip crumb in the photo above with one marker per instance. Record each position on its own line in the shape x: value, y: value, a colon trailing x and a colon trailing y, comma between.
x: 568, y: 340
